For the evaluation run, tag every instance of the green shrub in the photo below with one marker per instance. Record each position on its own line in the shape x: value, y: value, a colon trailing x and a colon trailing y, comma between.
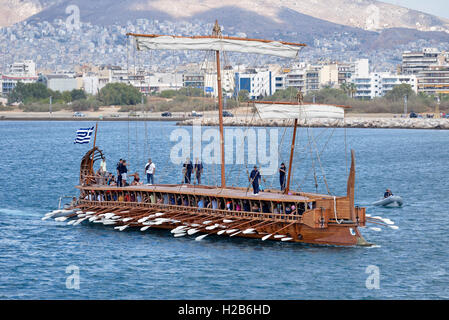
x: 86, y: 104
x: 119, y: 94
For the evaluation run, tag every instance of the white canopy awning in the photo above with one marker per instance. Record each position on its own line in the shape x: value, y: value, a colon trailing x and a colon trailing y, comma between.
x: 275, y: 48
x: 295, y: 111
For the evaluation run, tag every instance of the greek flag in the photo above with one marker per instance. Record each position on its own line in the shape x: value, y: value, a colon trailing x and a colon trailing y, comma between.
x: 83, y: 135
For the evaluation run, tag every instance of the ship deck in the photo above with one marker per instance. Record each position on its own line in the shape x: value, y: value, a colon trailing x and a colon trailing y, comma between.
x: 208, y: 191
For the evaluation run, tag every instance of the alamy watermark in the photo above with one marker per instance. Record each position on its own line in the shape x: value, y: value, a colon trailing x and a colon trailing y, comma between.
x: 73, y: 21
x: 72, y: 282
x: 242, y: 146
x: 373, y: 280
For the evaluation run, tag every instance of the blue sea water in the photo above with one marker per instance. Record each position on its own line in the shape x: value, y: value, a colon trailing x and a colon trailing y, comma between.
x: 39, y: 163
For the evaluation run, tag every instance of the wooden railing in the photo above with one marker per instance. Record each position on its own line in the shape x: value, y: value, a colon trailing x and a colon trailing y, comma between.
x: 316, y: 218
x: 215, y: 212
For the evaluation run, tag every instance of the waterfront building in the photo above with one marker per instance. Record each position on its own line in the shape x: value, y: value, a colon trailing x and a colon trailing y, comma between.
x: 60, y: 82
x: 161, y: 81
x: 280, y: 81
x: 10, y: 82
x: 258, y: 82
x: 328, y: 75
x: 227, y: 81
x: 434, y: 80
x: 24, y: 72
x: 91, y: 84
x: 378, y: 84
x: 296, y: 78
x: 312, y: 79
x: 303, y: 77
x: 25, y: 68
x: 193, y: 80
x: 415, y: 62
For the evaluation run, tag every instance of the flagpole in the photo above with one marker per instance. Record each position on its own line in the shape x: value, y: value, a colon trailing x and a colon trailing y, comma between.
x: 93, y: 153
x: 95, y: 137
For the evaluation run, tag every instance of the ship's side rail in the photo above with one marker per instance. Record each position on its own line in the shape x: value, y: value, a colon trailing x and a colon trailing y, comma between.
x: 315, y: 218
x: 213, y: 212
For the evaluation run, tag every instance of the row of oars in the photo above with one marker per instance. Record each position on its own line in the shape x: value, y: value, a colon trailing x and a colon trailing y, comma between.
x: 186, y: 223
x: 384, y: 222
x: 222, y: 226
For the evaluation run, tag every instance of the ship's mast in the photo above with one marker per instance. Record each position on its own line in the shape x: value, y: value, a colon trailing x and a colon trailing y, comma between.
x: 217, y: 33
x: 292, y: 149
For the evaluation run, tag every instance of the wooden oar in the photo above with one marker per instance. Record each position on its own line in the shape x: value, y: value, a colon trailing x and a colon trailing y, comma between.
x: 234, y: 228
x: 262, y: 225
x: 271, y: 234
x: 204, y: 228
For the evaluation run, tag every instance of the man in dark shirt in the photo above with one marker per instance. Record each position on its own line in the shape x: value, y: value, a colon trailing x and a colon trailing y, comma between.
x: 388, y: 193
x: 198, y: 170
x: 282, y: 171
x: 188, y: 168
x: 119, y: 173
x: 255, y: 180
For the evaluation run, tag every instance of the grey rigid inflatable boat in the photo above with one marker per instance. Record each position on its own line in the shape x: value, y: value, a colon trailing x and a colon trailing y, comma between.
x: 391, y: 201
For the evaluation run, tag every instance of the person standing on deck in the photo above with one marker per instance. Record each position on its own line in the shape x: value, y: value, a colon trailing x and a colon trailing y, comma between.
x: 124, y: 173
x: 150, y: 169
x: 119, y: 173
x: 282, y: 171
x: 103, y: 170
x: 255, y: 180
x: 198, y: 170
x: 188, y: 168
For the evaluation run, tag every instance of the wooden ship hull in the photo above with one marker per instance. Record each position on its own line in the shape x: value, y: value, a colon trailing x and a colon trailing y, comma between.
x: 318, y: 219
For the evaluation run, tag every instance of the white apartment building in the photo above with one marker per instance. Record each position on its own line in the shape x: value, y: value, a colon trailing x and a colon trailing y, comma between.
x: 309, y: 78
x: 161, y: 81
x: 378, y: 84
x: 91, y: 84
x: 25, y: 68
x: 24, y: 72
x: 227, y: 82
x: 258, y: 82
x: 302, y: 77
x: 60, y: 82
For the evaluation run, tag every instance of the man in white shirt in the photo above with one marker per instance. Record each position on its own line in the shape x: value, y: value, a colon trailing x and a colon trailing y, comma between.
x: 103, y: 169
x: 150, y: 169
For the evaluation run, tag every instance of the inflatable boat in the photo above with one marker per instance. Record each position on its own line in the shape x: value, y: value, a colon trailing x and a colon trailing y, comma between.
x: 391, y: 201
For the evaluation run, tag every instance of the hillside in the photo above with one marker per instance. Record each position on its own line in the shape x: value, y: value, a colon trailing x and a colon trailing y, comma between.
x: 364, y: 14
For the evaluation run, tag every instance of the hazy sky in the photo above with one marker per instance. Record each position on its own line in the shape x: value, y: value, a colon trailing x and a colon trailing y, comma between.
x: 437, y: 7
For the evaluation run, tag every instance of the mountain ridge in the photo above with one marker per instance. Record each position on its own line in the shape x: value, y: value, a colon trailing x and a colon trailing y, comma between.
x: 287, y: 24
x: 369, y: 15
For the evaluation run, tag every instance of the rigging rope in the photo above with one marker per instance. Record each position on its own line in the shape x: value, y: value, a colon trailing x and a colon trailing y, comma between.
x: 335, y: 211
x: 321, y: 166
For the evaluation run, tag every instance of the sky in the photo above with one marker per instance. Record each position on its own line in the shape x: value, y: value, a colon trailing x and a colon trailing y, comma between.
x: 437, y: 7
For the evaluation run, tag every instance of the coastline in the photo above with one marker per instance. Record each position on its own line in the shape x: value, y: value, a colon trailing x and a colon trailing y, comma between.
x: 349, y: 122
x: 241, y: 119
x: 59, y: 118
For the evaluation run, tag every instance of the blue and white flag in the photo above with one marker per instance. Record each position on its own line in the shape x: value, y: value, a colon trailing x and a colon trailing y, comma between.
x: 83, y: 135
